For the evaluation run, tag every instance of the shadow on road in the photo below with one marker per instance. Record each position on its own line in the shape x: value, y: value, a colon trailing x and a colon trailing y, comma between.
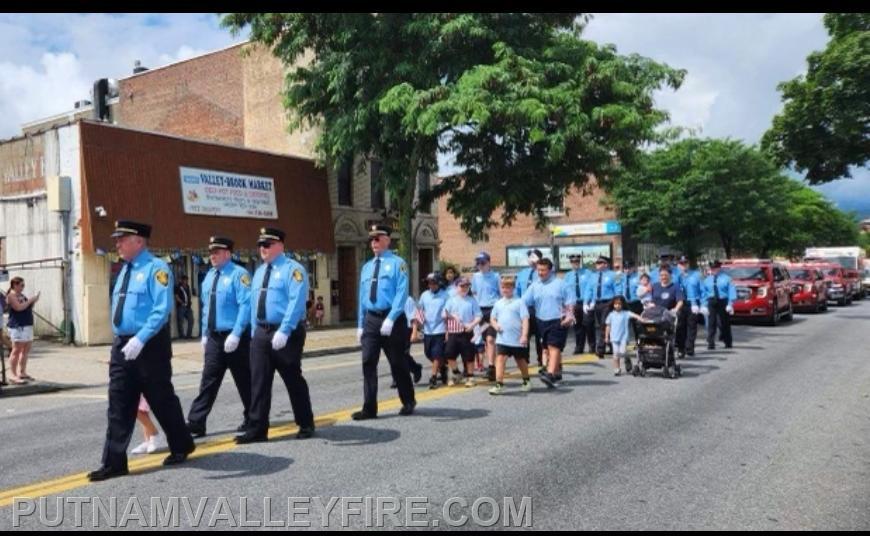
x: 228, y: 465
x: 350, y: 435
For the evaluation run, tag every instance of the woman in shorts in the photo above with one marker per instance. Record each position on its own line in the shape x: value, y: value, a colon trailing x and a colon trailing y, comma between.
x: 20, y: 330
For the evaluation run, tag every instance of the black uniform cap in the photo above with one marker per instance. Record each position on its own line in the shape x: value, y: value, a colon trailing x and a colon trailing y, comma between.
x: 220, y: 242
x: 128, y: 227
x: 380, y: 230
x: 270, y: 233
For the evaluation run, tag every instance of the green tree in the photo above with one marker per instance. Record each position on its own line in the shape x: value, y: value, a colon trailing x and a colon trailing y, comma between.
x: 527, y: 106
x: 824, y: 127
x: 697, y: 187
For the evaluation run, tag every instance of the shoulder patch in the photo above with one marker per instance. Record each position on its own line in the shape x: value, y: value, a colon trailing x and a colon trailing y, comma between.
x: 162, y: 277
x: 297, y: 276
x: 246, y: 280
x: 404, y: 268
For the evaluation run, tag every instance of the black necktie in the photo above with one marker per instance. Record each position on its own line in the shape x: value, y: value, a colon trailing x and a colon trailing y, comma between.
x: 577, y: 284
x: 715, y: 286
x: 600, y: 275
x: 373, y: 289
x: 261, y: 304
x: 122, y: 296
x: 212, y: 303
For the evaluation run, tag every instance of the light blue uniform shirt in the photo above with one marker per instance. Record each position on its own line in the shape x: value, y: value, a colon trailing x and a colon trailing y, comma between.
x: 618, y: 322
x: 233, y: 298
x: 509, y: 313
x: 285, y: 296
x: 727, y: 291
x: 410, y: 310
x: 466, y: 309
x: 610, y: 287
x: 392, y: 287
x: 629, y: 286
x: 549, y: 298
x: 485, y: 287
x: 433, y: 312
x: 691, y: 283
x: 575, y: 280
x: 149, y: 297
x: 525, y: 278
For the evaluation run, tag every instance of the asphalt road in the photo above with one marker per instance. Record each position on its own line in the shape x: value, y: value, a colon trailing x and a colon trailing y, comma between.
x: 772, y: 434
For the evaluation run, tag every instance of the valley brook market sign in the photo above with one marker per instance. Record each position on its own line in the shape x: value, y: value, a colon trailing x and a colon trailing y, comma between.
x: 206, y: 192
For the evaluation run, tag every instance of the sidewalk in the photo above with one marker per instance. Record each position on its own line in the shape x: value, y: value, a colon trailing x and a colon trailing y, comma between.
x: 57, y: 367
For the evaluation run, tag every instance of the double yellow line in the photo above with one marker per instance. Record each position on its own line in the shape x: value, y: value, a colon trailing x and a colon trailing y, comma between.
x: 226, y: 443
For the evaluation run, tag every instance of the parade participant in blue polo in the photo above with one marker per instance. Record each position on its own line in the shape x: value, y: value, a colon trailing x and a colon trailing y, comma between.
x: 575, y: 280
x: 687, y: 325
x: 431, y: 313
x: 278, y: 294
x: 554, y: 308
x: 226, y: 339
x: 485, y: 287
x: 510, y: 319
x: 601, y: 288
x: 525, y: 278
x: 462, y: 315
x: 718, y: 295
x: 141, y: 353
x: 383, y: 291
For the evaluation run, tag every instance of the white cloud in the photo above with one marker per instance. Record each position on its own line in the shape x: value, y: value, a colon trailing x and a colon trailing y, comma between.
x: 50, y: 61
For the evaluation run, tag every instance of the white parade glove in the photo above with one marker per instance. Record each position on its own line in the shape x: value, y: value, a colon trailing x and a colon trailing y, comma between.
x: 231, y: 343
x: 587, y: 308
x: 730, y: 309
x: 705, y: 311
x: 695, y: 309
x: 279, y: 340
x: 387, y: 327
x: 132, y: 349
x: 359, y: 332
x: 204, y: 342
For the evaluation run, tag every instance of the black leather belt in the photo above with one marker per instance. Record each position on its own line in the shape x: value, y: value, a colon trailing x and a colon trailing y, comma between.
x: 221, y: 333
x: 604, y: 301
x: 268, y: 327
x: 379, y: 314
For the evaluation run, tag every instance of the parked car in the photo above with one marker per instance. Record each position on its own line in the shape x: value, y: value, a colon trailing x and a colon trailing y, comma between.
x: 855, y: 287
x: 763, y: 290
x: 838, y: 284
x: 809, y: 290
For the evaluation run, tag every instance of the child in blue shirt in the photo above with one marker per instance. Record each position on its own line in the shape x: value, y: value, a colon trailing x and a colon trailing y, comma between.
x: 510, y: 320
x: 616, y: 331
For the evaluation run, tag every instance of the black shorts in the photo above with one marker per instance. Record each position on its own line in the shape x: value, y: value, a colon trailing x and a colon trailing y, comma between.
x: 516, y: 352
x: 489, y: 331
x: 434, y: 346
x: 459, y: 344
x: 553, y: 333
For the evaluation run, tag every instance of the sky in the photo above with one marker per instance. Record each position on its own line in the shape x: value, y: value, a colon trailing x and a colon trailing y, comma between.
x: 734, y: 62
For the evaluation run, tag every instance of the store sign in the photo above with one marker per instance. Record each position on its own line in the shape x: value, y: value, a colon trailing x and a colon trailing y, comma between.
x: 207, y: 192
x: 587, y: 229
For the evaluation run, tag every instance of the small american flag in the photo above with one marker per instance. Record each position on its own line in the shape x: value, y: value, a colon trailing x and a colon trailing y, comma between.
x: 454, y: 325
x: 419, y: 317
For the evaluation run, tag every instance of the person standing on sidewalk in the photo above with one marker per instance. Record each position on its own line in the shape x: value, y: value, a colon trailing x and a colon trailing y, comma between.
x: 20, y: 330
x: 383, y: 291
x: 280, y: 289
x: 183, y: 311
x: 226, y: 340
x: 141, y: 353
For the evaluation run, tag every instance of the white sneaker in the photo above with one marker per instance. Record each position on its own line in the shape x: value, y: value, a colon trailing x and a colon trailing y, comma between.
x: 156, y: 443
x: 142, y: 448
x: 469, y: 381
x: 617, y: 372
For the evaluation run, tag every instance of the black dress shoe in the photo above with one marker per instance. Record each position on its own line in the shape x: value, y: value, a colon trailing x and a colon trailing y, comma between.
x: 408, y: 409
x: 394, y: 385
x: 243, y: 427
x: 305, y: 432
x: 178, y: 457
x: 252, y: 437
x: 363, y: 416
x: 105, y: 473
x: 418, y: 373
x: 196, y: 430
x: 711, y: 347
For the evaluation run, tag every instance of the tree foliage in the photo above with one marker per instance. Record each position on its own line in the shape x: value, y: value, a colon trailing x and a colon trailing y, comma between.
x: 824, y: 127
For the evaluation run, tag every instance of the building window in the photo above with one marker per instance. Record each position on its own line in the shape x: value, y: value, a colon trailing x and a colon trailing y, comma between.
x: 379, y: 198
x: 423, y: 189
x: 554, y: 212
x: 589, y: 253
x: 310, y: 263
x: 345, y: 183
